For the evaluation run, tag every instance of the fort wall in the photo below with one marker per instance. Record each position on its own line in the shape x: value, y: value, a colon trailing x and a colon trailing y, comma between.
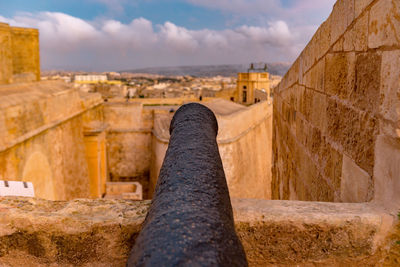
x: 243, y: 144
x: 336, y: 115
x: 19, y: 54
x: 128, y: 141
x: 102, y: 232
x: 42, y: 139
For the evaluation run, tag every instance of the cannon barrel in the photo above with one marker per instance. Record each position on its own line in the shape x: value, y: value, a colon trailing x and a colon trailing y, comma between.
x: 190, y: 221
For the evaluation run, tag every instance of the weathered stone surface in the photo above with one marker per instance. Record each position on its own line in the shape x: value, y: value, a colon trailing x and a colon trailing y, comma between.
x: 384, y: 24
x: 315, y: 77
x: 36, y: 232
x: 288, y: 233
x: 25, y: 54
x: 355, y: 131
x: 390, y: 87
x: 365, y: 94
x: 340, y: 74
x: 356, y: 38
x: 355, y: 183
x: 341, y: 17
x: 19, y: 48
x: 360, y: 5
x: 41, y: 138
x: 360, y: 99
x: 5, y: 51
x: 387, y: 171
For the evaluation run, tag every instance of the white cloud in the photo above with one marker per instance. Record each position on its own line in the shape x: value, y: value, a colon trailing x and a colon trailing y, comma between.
x: 277, y: 34
x: 70, y: 42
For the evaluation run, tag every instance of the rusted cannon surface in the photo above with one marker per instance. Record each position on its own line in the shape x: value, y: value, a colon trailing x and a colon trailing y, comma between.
x: 190, y: 221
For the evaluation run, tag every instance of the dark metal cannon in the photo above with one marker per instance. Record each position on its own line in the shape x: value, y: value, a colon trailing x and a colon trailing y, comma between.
x: 190, y: 221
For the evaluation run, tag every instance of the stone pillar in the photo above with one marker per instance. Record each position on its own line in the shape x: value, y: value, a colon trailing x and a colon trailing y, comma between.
x: 95, y: 144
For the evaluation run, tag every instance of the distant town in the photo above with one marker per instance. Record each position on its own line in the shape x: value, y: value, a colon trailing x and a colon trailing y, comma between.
x: 150, y: 85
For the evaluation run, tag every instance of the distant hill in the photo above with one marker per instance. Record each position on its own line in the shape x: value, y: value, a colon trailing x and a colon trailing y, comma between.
x: 210, y: 70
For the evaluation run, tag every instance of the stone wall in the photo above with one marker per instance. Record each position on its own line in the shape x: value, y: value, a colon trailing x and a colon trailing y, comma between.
x: 19, y: 54
x: 244, y: 142
x: 128, y: 141
x: 5, y: 54
x: 81, y: 232
x: 337, y: 110
x: 42, y: 128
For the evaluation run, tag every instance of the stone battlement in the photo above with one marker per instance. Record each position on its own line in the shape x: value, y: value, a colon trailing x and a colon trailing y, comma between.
x: 19, y: 49
x: 35, y: 232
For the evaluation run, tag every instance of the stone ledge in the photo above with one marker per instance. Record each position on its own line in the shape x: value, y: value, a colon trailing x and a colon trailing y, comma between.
x: 35, y: 232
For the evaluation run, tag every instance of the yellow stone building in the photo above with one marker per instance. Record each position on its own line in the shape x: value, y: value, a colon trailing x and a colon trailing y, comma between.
x: 253, y: 85
x: 19, y: 54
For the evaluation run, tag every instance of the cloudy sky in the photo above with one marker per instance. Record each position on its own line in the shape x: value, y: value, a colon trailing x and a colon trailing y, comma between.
x: 102, y: 35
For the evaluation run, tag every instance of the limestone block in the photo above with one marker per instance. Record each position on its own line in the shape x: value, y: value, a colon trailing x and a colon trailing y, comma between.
x: 292, y: 74
x: 319, y: 109
x: 301, y: 71
x: 355, y: 183
x: 314, y: 78
x: 365, y: 95
x: 325, y: 38
x: 284, y: 227
x: 341, y: 17
x: 338, y: 46
x: 355, y: 131
x: 387, y: 171
x: 299, y: 96
x: 356, y: 39
x: 101, y: 232
x: 390, y: 86
x: 360, y: 5
x: 332, y: 160
x: 302, y: 127
x: 340, y: 74
x: 306, y: 105
x: 384, y: 24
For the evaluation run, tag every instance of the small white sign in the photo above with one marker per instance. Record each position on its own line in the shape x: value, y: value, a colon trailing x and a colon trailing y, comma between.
x: 16, y: 188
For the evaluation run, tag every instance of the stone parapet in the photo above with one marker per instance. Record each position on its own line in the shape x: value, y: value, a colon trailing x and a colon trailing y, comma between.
x: 28, y: 109
x: 35, y: 232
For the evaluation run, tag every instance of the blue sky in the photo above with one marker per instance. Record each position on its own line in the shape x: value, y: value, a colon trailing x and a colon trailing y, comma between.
x: 120, y: 34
